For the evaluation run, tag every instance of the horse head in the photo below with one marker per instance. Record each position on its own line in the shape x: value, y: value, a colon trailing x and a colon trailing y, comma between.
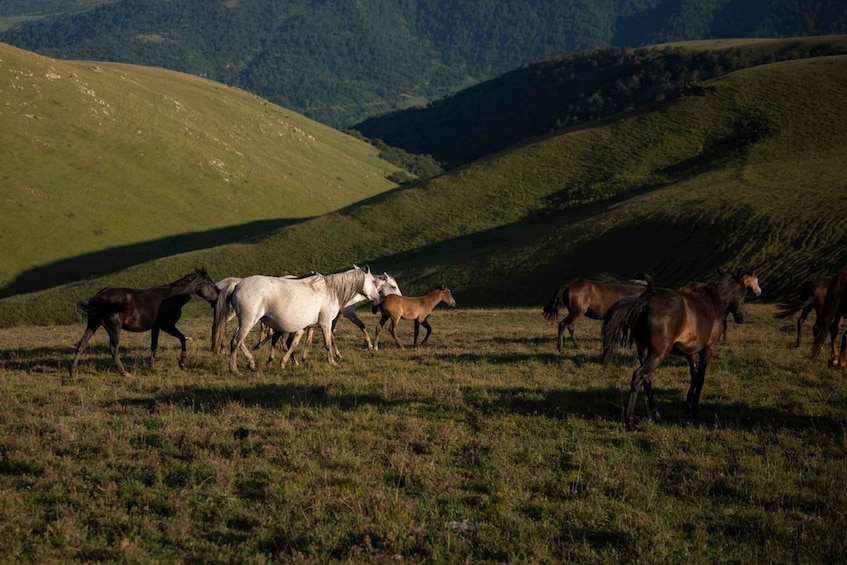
x: 388, y: 285
x: 370, y: 285
x: 733, y: 290
x: 447, y: 296
x: 205, y: 287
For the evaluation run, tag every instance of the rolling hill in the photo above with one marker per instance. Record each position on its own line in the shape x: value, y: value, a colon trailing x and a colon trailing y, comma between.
x: 110, y: 165
x: 750, y: 171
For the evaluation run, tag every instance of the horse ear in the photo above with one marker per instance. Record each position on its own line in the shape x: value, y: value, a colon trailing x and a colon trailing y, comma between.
x: 355, y: 266
x: 443, y: 287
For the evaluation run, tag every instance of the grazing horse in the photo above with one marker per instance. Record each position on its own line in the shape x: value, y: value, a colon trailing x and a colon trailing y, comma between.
x: 591, y: 299
x: 140, y: 310
x: 834, y: 310
x: 417, y: 308
x: 288, y: 305
x: 665, y: 321
x: 811, y: 297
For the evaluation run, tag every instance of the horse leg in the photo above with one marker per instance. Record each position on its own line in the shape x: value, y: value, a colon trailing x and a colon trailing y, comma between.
x: 803, y: 315
x: 842, y: 358
x: 292, y: 345
x: 328, y: 343
x: 183, y: 356
x: 392, y: 329
x: 567, y: 323
x: 310, y: 334
x: 639, y: 377
x: 426, y: 325
x: 378, y: 329
x: 353, y: 317
x: 833, y: 340
x: 692, y: 369
x: 237, y: 343
x: 154, y: 344
x: 114, y: 331
x: 697, y: 384
x: 83, y: 341
x: 417, y: 331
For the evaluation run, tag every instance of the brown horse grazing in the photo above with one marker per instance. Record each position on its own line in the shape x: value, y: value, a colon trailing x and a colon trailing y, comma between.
x: 811, y: 297
x: 592, y: 299
x: 140, y: 310
x: 417, y: 308
x: 665, y: 321
x: 834, y: 310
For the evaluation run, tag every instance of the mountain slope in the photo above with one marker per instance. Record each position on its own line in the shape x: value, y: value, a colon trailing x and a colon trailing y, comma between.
x: 340, y: 62
x: 751, y: 172
x: 103, y: 156
x: 541, y: 97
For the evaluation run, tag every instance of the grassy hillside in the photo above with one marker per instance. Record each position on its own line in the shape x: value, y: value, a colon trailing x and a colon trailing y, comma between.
x: 146, y: 162
x: 751, y: 171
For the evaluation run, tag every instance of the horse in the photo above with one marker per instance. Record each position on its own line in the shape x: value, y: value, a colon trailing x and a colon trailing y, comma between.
x: 288, y: 305
x: 140, y: 310
x: 664, y: 321
x: 811, y: 297
x: 591, y: 299
x: 834, y: 310
x: 386, y: 286
x: 417, y: 308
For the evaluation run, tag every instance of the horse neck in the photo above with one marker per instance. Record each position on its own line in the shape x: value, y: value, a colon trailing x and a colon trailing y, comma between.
x: 182, y: 288
x: 432, y: 299
x: 345, y: 285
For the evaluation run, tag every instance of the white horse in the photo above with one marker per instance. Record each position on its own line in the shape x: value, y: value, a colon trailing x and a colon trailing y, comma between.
x: 288, y: 305
x: 386, y: 284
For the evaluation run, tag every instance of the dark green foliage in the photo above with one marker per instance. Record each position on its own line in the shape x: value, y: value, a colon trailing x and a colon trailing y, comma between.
x: 339, y: 61
x: 569, y: 91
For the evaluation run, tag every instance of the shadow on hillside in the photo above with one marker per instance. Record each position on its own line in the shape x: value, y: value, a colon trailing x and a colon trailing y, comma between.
x: 116, y: 259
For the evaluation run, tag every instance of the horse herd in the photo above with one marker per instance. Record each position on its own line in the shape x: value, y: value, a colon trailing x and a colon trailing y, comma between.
x: 688, y: 321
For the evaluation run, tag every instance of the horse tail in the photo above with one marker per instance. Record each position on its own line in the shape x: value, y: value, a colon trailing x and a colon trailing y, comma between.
x: 790, y: 307
x: 620, y: 323
x: 832, y: 305
x: 102, y: 308
x: 559, y: 300
x: 222, y: 305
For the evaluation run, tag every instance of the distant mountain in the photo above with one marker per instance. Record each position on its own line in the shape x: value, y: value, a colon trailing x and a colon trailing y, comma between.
x: 339, y: 61
x: 577, y: 89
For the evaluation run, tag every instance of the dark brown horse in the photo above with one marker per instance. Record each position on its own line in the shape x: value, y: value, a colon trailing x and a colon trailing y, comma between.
x: 811, y: 297
x: 834, y: 310
x: 665, y: 321
x: 592, y: 299
x: 417, y: 308
x: 140, y: 310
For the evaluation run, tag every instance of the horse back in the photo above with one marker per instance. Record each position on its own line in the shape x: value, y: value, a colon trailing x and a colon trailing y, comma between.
x: 595, y: 298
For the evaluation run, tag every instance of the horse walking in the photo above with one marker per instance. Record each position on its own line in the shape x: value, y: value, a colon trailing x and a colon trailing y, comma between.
x: 833, y: 311
x: 666, y: 321
x: 288, y: 306
x: 140, y: 310
x: 811, y: 297
x: 417, y: 308
x: 592, y: 299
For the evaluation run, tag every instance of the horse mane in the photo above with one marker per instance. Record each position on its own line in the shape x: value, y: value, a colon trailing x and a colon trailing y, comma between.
x: 346, y: 284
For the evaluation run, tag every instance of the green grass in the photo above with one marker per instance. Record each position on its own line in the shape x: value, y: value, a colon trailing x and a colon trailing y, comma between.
x: 488, y: 445
x: 151, y: 163
x: 675, y: 191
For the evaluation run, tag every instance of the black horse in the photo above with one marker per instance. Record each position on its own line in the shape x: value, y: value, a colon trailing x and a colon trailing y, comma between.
x: 664, y: 321
x: 140, y: 310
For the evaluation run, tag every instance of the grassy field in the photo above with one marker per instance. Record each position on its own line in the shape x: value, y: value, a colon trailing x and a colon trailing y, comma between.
x: 487, y: 445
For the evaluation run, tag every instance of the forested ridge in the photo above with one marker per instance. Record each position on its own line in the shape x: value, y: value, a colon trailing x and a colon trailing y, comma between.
x: 340, y: 62
x: 539, y: 98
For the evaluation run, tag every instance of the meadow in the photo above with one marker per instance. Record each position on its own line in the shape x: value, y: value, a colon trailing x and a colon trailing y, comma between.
x: 486, y: 445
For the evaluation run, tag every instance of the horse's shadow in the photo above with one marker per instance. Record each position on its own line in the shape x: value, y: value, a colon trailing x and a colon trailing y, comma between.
x: 39, y: 359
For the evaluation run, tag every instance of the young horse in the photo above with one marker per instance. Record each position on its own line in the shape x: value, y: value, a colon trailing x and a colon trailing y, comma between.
x: 811, y: 297
x: 591, y: 299
x: 665, y: 321
x: 417, y: 308
x: 288, y: 306
x: 139, y: 310
x: 834, y: 310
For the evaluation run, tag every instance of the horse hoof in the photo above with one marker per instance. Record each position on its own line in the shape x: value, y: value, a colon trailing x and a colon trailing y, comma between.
x: 656, y: 416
